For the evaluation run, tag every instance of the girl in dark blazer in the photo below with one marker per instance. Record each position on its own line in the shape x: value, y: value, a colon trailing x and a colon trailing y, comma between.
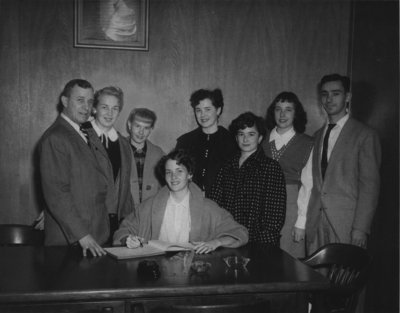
x: 211, y: 145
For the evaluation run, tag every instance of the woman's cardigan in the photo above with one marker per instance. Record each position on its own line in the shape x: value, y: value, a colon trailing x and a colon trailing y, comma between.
x: 208, y: 220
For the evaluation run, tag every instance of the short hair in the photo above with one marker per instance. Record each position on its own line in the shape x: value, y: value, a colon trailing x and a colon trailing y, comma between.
x: 75, y: 82
x: 247, y: 119
x: 110, y: 91
x: 215, y: 97
x: 143, y: 113
x: 345, y: 80
x: 66, y: 92
x: 300, y: 116
x: 181, y: 156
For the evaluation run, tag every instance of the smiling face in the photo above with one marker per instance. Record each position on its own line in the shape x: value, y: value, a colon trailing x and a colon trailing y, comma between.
x: 79, y: 104
x: 139, y: 130
x: 207, y: 116
x: 284, y: 116
x: 334, y: 100
x: 177, y: 176
x: 107, y: 111
x: 248, y: 139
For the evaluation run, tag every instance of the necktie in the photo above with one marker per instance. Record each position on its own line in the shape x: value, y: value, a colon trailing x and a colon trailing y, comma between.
x: 85, y: 133
x: 324, y: 159
x: 104, y: 140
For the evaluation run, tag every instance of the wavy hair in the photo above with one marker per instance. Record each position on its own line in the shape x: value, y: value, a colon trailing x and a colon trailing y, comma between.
x: 300, y: 116
x: 215, y: 97
x: 247, y: 119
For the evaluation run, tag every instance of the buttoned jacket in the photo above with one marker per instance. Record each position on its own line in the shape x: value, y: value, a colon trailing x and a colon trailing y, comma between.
x: 75, y: 187
x: 120, y: 198
x: 349, y: 192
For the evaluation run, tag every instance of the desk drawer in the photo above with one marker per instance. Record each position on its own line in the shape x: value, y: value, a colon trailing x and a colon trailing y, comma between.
x: 239, y: 303
x: 67, y: 307
x: 231, y: 304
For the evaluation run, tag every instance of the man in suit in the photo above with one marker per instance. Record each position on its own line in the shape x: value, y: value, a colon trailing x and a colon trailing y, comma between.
x: 144, y: 182
x: 74, y: 185
x: 341, y: 179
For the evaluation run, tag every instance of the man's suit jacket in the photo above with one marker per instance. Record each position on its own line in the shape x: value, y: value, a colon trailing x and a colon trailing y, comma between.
x: 349, y: 192
x: 120, y: 198
x: 75, y: 187
x: 150, y: 184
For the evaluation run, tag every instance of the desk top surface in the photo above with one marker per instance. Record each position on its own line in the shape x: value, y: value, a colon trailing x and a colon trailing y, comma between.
x: 59, y: 273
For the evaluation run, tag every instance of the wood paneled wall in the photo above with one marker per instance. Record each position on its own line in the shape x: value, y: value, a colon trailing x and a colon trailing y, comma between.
x: 251, y: 49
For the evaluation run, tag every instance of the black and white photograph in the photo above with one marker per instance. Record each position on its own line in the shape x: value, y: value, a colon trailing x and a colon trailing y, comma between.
x: 199, y: 156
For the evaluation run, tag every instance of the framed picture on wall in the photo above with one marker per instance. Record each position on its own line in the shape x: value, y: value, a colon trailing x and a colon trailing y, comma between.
x: 111, y: 24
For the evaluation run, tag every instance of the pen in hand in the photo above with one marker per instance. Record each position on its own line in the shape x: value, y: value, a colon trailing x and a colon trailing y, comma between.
x: 134, y: 242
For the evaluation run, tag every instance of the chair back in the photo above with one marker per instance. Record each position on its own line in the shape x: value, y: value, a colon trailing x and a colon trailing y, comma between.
x: 15, y: 234
x: 346, y: 267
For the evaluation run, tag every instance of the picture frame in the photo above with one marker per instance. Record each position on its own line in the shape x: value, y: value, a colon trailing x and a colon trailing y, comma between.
x: 111, y: 24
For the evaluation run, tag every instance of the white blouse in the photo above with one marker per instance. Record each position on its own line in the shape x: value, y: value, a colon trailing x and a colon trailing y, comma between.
x: 175, y: 226
x: 281, y: 140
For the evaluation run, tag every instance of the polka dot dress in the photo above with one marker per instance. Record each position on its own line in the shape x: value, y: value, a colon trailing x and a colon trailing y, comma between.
x: 255, y: 194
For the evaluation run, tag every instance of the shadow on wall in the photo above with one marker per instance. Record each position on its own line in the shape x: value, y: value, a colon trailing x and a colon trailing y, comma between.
x: 363, y: 100
x: 382, y: 289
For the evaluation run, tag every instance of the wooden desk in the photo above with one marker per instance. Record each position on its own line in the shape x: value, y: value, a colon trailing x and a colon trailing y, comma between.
x: 58, y: 279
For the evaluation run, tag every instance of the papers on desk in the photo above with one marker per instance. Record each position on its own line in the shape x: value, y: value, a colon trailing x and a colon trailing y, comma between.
x: 153, y: 247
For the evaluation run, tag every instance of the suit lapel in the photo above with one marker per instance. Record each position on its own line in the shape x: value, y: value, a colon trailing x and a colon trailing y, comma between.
x: 96, y: 142
x: 96, y: 148
x: 340, y: 145
x: 74, y: 135
x: 318, y: 147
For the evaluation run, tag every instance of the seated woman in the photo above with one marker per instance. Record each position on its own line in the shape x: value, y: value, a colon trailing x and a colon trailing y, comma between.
x: 251, y: 186
x: 179, y: 213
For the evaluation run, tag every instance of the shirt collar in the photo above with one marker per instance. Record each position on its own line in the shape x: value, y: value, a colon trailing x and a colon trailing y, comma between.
x: 76, y: 126
x: 111, y: 134
x: 284, y: 138
x: 144, y: 149
x: 184, y: 202
x: 341, y: 122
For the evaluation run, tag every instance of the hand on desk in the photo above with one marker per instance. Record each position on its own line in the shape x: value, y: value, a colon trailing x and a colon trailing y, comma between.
x: 201, y: 247
x: 88, y: 243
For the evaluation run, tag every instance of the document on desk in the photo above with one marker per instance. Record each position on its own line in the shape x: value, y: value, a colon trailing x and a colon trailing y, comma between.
x: 153, y: 247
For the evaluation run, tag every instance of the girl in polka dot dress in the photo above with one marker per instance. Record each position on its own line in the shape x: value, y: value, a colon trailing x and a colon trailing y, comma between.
x: 251, y: 186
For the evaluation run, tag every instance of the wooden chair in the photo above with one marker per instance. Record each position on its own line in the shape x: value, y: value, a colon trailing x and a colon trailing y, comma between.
x: 15, y: 234
x: 346, y: 267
